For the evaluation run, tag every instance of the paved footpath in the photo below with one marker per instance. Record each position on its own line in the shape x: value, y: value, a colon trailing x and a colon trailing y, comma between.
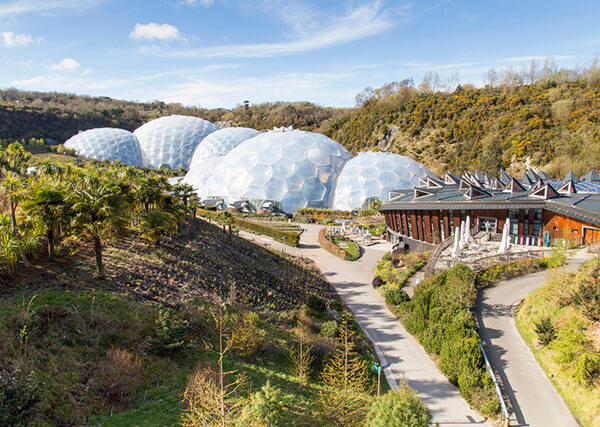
x: 405, y: 357
x: 532, y: 398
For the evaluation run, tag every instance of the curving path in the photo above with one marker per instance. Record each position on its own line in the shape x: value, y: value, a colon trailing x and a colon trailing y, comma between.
x: 396, y: 348
x: 531, y: 396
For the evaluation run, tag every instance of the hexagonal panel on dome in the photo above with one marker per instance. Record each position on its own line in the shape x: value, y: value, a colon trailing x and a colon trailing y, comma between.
x: 107, y: 144
x: 172, y: 140
x: 221, y: 142
x: 296, y: 168
x: 375, y: 174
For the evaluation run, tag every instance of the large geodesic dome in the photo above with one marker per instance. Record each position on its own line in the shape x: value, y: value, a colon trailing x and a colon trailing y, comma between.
x: 172, y: 140
x: 297, y: 168
x: 107, y: 144
x: 221, y: 142
x: 375, y: 174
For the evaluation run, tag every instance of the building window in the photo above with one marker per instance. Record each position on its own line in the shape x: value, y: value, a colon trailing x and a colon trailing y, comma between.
x: 409, y: 226
x: 526, y: 222
x: 398, y: 227
x: 537, y: 222
x: 441, y: 223
x: 451, y: 222
x: 513, y: 214
x: 574, y: 231
x: 488, y: 225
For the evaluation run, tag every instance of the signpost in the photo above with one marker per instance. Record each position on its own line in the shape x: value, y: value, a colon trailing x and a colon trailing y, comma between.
x: 378, y: 369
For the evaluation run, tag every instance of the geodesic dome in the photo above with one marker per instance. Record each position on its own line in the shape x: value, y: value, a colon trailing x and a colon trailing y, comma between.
x: 107, y: 144
x: 221, y: 142
x: 297, y: 168
x: 375, y: 174
x: 171, y: 140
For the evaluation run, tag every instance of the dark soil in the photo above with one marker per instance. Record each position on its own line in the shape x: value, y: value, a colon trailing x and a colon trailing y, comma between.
x: 196, y: 262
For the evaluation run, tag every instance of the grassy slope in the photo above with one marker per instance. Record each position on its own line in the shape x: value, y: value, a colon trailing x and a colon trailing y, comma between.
x: 584, y: 402
x: 73, y: 319
x: 196, y: 263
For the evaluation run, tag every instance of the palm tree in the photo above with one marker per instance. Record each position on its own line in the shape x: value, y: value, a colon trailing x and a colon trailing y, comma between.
x: 149, y: 191
x: 227, y: 220
x: 12, y: 187
x: 14, y: 158
x: 100, y: 212
x: 51, y: 169
x: 47, y: 204
x: 184, y: 192
x: 153, y: 225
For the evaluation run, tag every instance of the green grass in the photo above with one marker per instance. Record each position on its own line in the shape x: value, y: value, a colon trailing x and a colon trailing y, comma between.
x: 582, y: 400
x: 352, y: 251
x: 55, y: 157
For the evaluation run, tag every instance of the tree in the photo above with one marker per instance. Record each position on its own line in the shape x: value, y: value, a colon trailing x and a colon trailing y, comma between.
x: 399, y: 408
x: 153, y: 225
x: 300, y: 355
x: 346, y: 396
x: 267, y: 407
x: 14, y: 158
x: 13, y: 186
x: 100, y: 212
x: 210, y: 400
x: 46, y: 203
x: 227, y: 220
x: 183, y: 192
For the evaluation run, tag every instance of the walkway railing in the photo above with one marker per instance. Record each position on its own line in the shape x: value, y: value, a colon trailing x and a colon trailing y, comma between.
x: 491, y: 260
x: 428, y: 269
x: 503, y: 410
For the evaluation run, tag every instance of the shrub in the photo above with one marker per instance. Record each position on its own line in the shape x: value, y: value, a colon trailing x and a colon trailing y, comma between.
x: 377, y: 282
x: 587, y: 367
x: 170, y: 330
x: 17, y: 400
x: 396, y: 296
x: 459, y: 290
x: 247, y: 336
x: 545, y: 330
x: 329, y: 329
x: 336, y: 305
x: 316, y: 304
x: 399, y: 408
x: 117, y: 376
x: 266, y: 407
x: 588, y: 297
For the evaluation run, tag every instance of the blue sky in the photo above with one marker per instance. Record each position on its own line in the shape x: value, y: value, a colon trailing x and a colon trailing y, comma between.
x: 217, y: 53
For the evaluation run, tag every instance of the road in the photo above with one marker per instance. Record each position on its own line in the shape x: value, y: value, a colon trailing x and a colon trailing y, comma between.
x: 396, y: 348
x: 532, y: 398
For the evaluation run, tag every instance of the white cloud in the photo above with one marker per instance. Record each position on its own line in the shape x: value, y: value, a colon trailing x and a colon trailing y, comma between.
x: 205, y: 3
x: 10, y: 39
x: 310, y: 33
x: 19, y: 7
x: 153, y: 31
x: 67, y: 64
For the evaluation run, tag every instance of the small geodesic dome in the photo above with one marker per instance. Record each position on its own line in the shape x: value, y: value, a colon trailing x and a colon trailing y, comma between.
x: 375, y: 174
x: 172, y: 140
x: 297, y: 168
x: 107, y: 144
x: 221, y: 142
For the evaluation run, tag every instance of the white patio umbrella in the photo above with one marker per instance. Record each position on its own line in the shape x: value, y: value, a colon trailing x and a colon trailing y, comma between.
x: 463, y: 241
x: 456, y: 249
x: 505, y: 242
x: 468, y: 237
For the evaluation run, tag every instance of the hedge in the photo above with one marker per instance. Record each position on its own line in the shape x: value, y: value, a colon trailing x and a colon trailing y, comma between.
x: 329, y: 246
x: 322, y: 214
x: 290, y: 238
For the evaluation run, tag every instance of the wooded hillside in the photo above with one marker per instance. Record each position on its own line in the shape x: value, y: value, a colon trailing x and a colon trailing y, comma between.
x: 546, y: 116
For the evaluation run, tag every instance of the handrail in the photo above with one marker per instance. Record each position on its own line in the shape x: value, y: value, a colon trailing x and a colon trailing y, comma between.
x: 503, y: 409
x: 436, y: 253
